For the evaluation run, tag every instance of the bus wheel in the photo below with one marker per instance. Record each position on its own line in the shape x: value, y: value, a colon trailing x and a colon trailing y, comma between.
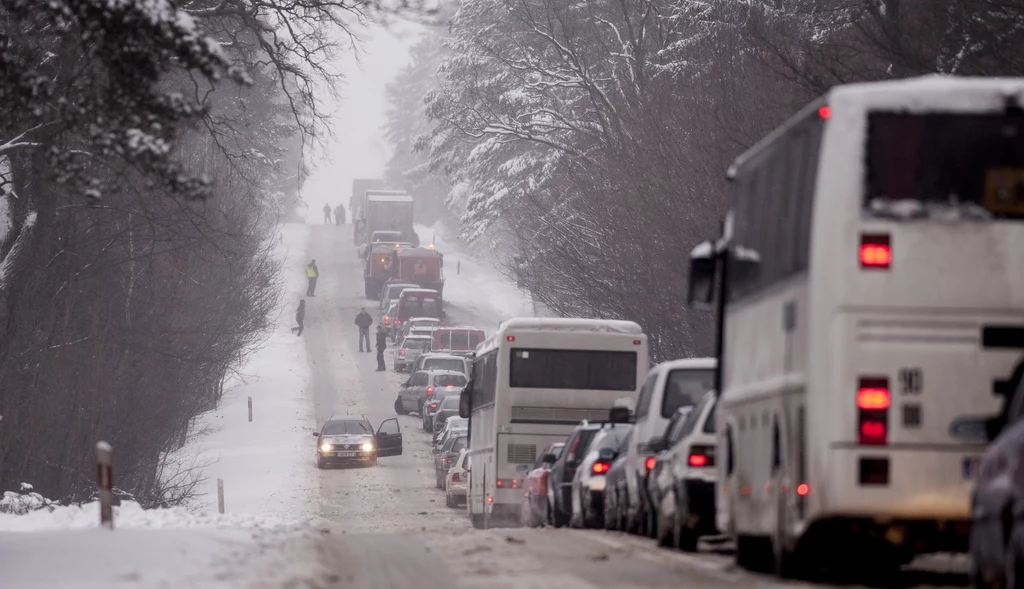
x: 754, y: 553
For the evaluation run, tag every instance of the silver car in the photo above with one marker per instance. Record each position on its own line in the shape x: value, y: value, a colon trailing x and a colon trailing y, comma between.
x: 433, y: 362
x: 423, y: 385
x: 410, y: 349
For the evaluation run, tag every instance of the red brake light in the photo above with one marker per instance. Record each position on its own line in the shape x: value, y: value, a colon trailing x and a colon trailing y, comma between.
x: 873, y: 402
x: 433, y: 405
x: 515, y: 483
x: 499, y: 483
x: 698, y: 460
x: 650, y: 462
x: 825, y: 111
x: 430, y: 391
x: 637, y: 342
x: 803, y: 489
x: 875, y: 251
x: 600, y: 467
x: 456, y: 478
x: 511, y: 338
x: 448, y: 460
x: 873, y: 398
x: 401, y: 352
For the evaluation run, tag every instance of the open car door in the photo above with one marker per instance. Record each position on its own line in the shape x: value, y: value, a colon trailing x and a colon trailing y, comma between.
x: 389, y: 438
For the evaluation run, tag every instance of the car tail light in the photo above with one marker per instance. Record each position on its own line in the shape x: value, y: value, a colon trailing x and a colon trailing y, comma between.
x: 650, y: 462
x: 600, y: 467
x: 433, y: 406
x: 873, y: 402
x: 456, y: 478
x: 701, y: 456
x: 430, y: 391
x: 401, y: 353
x: 875, y: 251
x: 449, y: 460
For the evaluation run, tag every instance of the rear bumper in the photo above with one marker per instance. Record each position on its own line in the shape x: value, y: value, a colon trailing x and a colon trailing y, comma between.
x: 457, y: 489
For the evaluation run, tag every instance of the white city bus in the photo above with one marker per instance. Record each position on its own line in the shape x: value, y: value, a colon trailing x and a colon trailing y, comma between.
x: 533, y: 381
x: 873, y: 270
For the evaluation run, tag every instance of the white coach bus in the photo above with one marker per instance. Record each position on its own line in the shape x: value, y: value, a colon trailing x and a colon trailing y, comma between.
x: 872, y: 323
x: 533, y: 381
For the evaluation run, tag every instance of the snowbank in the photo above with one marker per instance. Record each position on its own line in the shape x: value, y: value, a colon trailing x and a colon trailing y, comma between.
x: 474, y: 283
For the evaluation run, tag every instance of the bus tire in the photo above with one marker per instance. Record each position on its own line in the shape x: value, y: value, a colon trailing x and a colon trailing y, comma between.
x: 754, y: 553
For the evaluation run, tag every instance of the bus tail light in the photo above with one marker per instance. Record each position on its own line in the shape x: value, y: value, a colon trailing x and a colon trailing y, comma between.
x: 873, y: 402
x: 506, y: 483
x: 875, y: 251
x: 600, y: 467
x: 701, y: 456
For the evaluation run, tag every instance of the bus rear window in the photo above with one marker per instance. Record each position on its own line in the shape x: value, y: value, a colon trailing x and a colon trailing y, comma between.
x: 945, y: 165
x: 459, y: 341
x: 572, y: 369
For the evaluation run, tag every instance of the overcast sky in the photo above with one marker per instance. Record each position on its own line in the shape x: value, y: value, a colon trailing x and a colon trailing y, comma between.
x: 358, y: 150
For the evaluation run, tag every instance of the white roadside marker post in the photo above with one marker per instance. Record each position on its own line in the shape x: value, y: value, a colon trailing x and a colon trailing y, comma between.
x: 105, y: 482
x: 250, y: 409
x: 220, y: 495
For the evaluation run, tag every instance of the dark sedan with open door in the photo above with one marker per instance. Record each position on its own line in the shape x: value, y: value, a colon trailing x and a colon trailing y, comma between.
x: 350, y: 439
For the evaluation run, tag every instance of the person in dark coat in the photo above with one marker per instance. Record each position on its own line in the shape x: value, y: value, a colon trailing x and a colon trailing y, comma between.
x: 364, y: 321
x: 300, y: 317
x: 339, y: 215
x: 382, y: 344
x: 312, y: 273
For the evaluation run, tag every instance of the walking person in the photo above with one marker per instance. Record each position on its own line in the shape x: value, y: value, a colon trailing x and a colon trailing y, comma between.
x: 382, y: 344
x: 327, y: 214
x: 364, y: 321
x: 312, y: 273
x: 300, y: 317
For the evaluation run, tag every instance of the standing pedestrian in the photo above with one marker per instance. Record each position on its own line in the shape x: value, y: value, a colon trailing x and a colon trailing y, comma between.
x: 300, y: 317
x: 312, y: 273
x: 364, y: 321
x: 382, y: 344
x: 327, y: 214
x: 339, y: 215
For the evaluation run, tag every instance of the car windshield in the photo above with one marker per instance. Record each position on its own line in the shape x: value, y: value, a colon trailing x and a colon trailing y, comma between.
x: 684, y: 388
x: 347, y: 426
x: 415, y: 344
x: 444, y: 364
x: 610, y: 439
x: 396, y: 289
x: 449, y: 380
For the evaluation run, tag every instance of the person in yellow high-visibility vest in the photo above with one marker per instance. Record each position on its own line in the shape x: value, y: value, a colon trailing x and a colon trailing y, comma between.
x: 312, y: 274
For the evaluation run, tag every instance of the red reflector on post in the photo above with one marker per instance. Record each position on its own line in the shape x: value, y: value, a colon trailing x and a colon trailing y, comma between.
x: 698, y: 460
x: 873, y: 398
x: 875, y: 251
x: 650, y: 462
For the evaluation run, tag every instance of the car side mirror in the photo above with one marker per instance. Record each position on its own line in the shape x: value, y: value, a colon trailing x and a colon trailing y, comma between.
x: 656, y: 444
x: 549, y: 458
x: 316, y: 434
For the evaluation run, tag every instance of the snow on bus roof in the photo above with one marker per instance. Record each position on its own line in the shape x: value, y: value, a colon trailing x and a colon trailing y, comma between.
x: 921, y: 94
x: 388, y: 196
x: 570, y: 324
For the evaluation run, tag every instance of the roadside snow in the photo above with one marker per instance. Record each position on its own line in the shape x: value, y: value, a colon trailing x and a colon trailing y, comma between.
x: 475, y: 284
x: 266, y: 465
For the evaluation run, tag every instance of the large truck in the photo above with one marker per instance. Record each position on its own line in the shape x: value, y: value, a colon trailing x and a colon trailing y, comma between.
x: 357, y: 202
x: 378, y: 266
x: 419, y: 265
x: 389, y: 210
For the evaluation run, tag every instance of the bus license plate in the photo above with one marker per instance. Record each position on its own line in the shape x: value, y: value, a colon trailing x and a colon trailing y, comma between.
x: 971, y: 467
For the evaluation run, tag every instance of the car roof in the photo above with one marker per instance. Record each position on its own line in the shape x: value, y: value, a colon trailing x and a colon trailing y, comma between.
x: 419, y: 337
x: 444, y: 373
x: 443, y: 356
x: 424, y: 319
x: 348, y: 417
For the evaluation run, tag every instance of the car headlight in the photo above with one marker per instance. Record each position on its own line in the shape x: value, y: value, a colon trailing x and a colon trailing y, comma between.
x: 325, y: 448
x: 367, y: 446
